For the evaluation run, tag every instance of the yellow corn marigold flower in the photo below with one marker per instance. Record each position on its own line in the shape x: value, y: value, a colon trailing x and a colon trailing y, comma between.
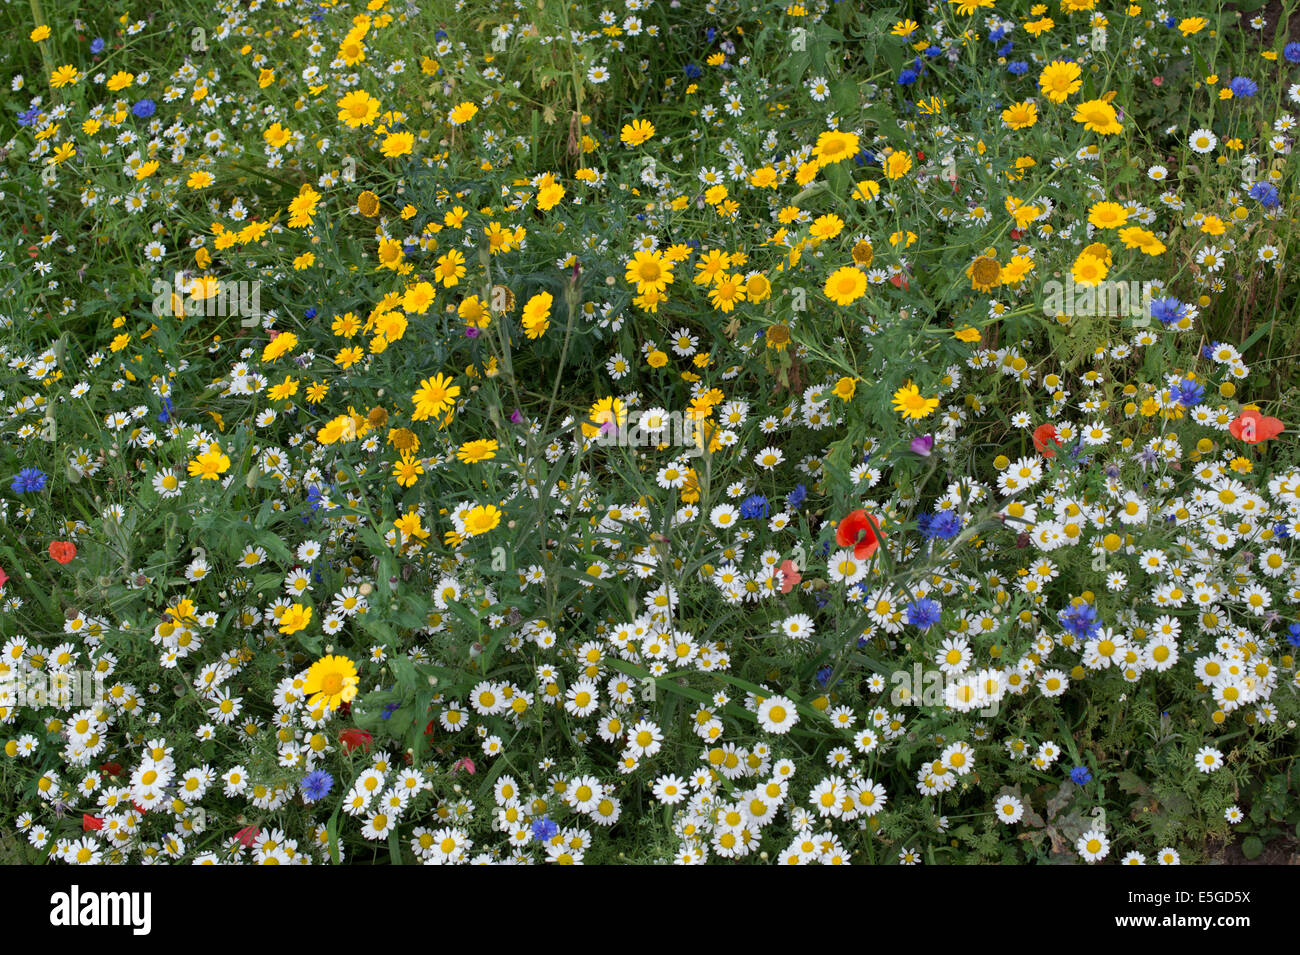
x: 846, y: 285
x: 1059, y: 79
x: 911, y: 404
x: 332, y: 681
x: 605, y: 414
x: 434, y: 396
x: 1020, y: 115
x: 472, y: 452
x: 281, y: 344
x: 64, y: 76
x: 397, y: 144
x: 407, y: 470
x: 276, y: 135
x: 649, y: 270
x: 835, y: 146
x: 462, y: 113
x: 897, y: 164
x: 302, y: 208
x: 984, y: 273
x: 480, y: 519
x: 536, y: 316
x: 549, y: 194
x: 1098, y: 116
x: 637, y: 132
x: 1089, y: 269
x: 209, y: 465
x: 1107, y: 215
x: 357, y: 108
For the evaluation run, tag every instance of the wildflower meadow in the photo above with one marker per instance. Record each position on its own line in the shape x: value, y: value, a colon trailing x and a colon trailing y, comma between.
x: 649, y: 432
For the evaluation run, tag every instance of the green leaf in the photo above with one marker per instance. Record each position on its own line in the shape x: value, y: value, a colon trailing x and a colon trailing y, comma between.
x: 1252, y: 847
x: 332, y: 834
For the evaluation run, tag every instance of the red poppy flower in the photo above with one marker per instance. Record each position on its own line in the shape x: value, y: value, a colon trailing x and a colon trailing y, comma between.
x: 91, y: 823
x: 111, y: 769
x: 352, y: 738
x: 466, y: 764
x: 861, y: 532
x: 1045, y: 439
x: 247, y: 836
x: 3, y: 577
x: 63, y: 551
x: 789, y: 575
x: 1253, y: 427
x: 899, y: 282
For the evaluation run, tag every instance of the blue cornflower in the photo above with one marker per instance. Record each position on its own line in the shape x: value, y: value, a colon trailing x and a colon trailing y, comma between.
x: 1017, y: 67
x: 1291, y: 52
x: 1080, y: 620
x: 693, y: 72
x: 1281, y: 530
x: 389, y: 710
x: 28, y: 117
x: 1265, y: 193
x: 1005, y: 48
x: 754, y: 506
x: 944, y: 525
x: 924, y: 613
x: 797, y: 496
x: 1243, y: 86
x: 544, y: 829
x: 97, y: 45
x: 316, y: 785
x: 996, y: 34
x: 166, y: 414
x: 1293, y: 634
x: 823, y: 675
x: 1080, y: 775
x: 28, y: 479
x: 1170, y: 21
x: 932, y: 50
x: 866, y: 157
x: 1188, y: 392
x: 144, y: 109
x: 709, y: 34
x: 907, y: 77
x: 1167, y: 310
x: 309, y: 314
x: 315, y: 495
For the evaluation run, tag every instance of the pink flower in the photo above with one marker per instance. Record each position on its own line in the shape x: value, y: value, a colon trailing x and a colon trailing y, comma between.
x: 790, y: 576
x: 466, y: 764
